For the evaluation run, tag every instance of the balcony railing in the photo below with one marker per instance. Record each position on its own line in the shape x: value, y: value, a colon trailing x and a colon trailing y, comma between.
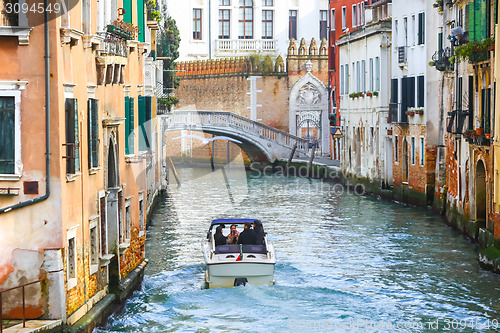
x: 441, y: 60
x: 246, y: 45
x: 456, y: 121
x: 112, y: 45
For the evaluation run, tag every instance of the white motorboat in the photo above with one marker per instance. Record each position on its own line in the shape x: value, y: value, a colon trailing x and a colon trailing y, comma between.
x: 237, y: 264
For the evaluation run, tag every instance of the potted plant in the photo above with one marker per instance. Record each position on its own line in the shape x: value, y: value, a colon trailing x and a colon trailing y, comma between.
x: 375, y: 93
x: 410, y: 113
x: 479, y: 131
x: 369, y: 94
x: 352, y: 95
x: 487, y: 136
x: 361, y: 94
x: 419, y: 111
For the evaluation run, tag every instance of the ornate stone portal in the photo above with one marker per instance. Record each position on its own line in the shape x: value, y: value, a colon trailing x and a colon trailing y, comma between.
x: 309, y: 111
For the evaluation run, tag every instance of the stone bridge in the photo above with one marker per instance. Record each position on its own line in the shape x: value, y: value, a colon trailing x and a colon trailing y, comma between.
x: 259, y: 142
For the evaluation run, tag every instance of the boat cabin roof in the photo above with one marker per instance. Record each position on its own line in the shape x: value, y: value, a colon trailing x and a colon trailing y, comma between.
x: 231, y: 221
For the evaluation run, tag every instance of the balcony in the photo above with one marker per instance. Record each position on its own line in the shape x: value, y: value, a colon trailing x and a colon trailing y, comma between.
x: 456, y: 121
x: 225, y: 46
x: 441, y: 60
x: 113, y: 45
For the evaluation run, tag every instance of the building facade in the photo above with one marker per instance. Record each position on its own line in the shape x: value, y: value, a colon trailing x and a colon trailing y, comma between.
x: 78, y: 166
x: 415, y: 105
x: 214, y: 29
x: 364, y: 54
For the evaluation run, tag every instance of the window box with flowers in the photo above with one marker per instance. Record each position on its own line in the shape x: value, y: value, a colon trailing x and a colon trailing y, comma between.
x: 419, y: 111
x: 410, y: 113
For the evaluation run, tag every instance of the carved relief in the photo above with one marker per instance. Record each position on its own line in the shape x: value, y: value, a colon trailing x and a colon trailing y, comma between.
x: 308, y: 95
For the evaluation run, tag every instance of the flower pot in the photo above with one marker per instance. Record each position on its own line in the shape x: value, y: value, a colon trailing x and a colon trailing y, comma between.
x: 487, y: 136
x: 369, y: 94
x: 479, y: 131
x: 420, y: 112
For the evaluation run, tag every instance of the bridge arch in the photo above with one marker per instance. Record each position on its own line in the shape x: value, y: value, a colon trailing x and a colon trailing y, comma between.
x: 259, y: 142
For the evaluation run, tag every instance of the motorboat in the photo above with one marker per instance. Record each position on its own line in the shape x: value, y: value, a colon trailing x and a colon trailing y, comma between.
x: 237, y: 264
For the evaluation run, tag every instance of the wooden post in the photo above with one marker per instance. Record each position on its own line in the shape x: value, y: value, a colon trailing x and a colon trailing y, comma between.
x: 1, y: 315
x: 24, y: 305
x: 227, y: 185
x: 176, y: 176
x: 291, y: 157
x: 310, y: 165
x: 211, y: 152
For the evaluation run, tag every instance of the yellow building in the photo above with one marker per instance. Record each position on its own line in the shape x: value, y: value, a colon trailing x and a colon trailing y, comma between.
x: 78, y: 165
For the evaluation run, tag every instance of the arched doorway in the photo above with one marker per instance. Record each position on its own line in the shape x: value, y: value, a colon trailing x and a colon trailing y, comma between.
x: 405, y: 161
x: 480, y: 192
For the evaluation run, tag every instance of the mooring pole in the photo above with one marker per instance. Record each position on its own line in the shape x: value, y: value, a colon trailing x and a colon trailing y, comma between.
x: 291, y: 157
x: 176, y: 176
x: 310, y: 165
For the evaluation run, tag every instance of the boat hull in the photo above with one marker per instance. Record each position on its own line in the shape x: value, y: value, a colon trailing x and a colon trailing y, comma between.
x: 225, y: 274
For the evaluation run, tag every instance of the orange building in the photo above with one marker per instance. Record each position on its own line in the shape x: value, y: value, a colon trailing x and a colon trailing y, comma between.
x: 78, y: 152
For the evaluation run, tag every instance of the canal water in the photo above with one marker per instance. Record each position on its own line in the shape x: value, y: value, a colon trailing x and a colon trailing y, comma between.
x: 345, y: 263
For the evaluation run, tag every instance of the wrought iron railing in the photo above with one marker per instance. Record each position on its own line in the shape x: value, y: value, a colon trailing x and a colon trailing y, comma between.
x: 456, y: 121
x: 22, y: 287
x: 113, y: 45
x: 441, y: 60
x: 228, y: 119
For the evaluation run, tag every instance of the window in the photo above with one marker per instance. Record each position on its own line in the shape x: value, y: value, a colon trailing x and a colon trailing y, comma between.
x: 129, y: 126
x: 224, y: 3
x: 479, y: 20
x: 93, y: 133
x: 94, y: 247
x: 197, y: 24
x: 413, y: 150
x: 396, y: 35
x: 342, y: 79
x: 144, y: 125
x: 323, y: 24
x: 420, y: 91
x: 394, y: 91
x: 358, y: 76
x: 421, y: 28
x: 246, y: 19
x: 344, y: 18
x: 370, y: 75
x: 413, y: 30
x: 332, y: 20
x: 363, y: 75
x: 362, y: 12
x: 72, y: 136
x: 354, y: 16
x: 224, y: 23
x: 346, y: 91
x: 8, y: 136
x: 410, y: 91
x: 377, y: 73
x: 396, y: 149
x: 71, y: 258
x: 267, y: 3
x: 267, y: 24
x: 405, y: 26
x: 359, y: 14
x: 459, y: 94
x: 141, y: 213
x: 422, y: 151
x: 128, y: 220
x: 292, y: 25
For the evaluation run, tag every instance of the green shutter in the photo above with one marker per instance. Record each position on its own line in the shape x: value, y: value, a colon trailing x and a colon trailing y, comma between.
x: 127, y: 5
x: 149, y: 124
x: 72, y: 147
x: 128, y: 128
x: 478, y: 20
x: 93, y: 133
x: 142, y: 121
x: 140, y: 20
x: 7, y: 136
x: 131, y: 126
x: 472, y: 23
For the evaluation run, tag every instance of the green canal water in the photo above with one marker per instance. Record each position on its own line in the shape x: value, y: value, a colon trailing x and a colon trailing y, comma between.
x: 345, y: 263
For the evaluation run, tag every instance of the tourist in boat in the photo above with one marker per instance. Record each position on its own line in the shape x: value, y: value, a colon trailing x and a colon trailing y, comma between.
x: 259, y: 232
x: 219, y: 237
x: 247, y: 236
x: 232, y: 238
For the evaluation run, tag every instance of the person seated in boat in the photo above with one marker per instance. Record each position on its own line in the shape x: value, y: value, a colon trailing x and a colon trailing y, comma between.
x: 219, y: 238
x: 232, y: 238
x: 259, y: 232
x: 247, y: 236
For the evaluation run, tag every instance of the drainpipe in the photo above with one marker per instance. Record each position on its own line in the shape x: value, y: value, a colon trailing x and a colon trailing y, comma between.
x: 47, y: 122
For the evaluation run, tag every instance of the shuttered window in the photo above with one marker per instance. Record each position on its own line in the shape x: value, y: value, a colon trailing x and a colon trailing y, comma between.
x: 394, y: 91
x: 93, y: 133
x: 140, y: 20
x: 127, y: 16
x: 72, y: 137
x: 129, y: 125
x: 421, y: 28
x: 7, y: 135
x: 420, y: 91
x: 145, y: 108
x: 478, y: 20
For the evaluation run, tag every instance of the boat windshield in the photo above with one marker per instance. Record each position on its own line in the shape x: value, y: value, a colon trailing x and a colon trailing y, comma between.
x: 235, y: 248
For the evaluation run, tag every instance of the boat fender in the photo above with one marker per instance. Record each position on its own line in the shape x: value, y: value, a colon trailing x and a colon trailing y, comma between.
x: 240, y: 282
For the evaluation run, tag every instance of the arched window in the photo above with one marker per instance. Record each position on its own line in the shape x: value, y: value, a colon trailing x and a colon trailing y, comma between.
x: 245, y: 21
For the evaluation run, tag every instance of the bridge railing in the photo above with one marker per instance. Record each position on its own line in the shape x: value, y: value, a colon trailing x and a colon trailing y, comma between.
x: 229, y: 119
